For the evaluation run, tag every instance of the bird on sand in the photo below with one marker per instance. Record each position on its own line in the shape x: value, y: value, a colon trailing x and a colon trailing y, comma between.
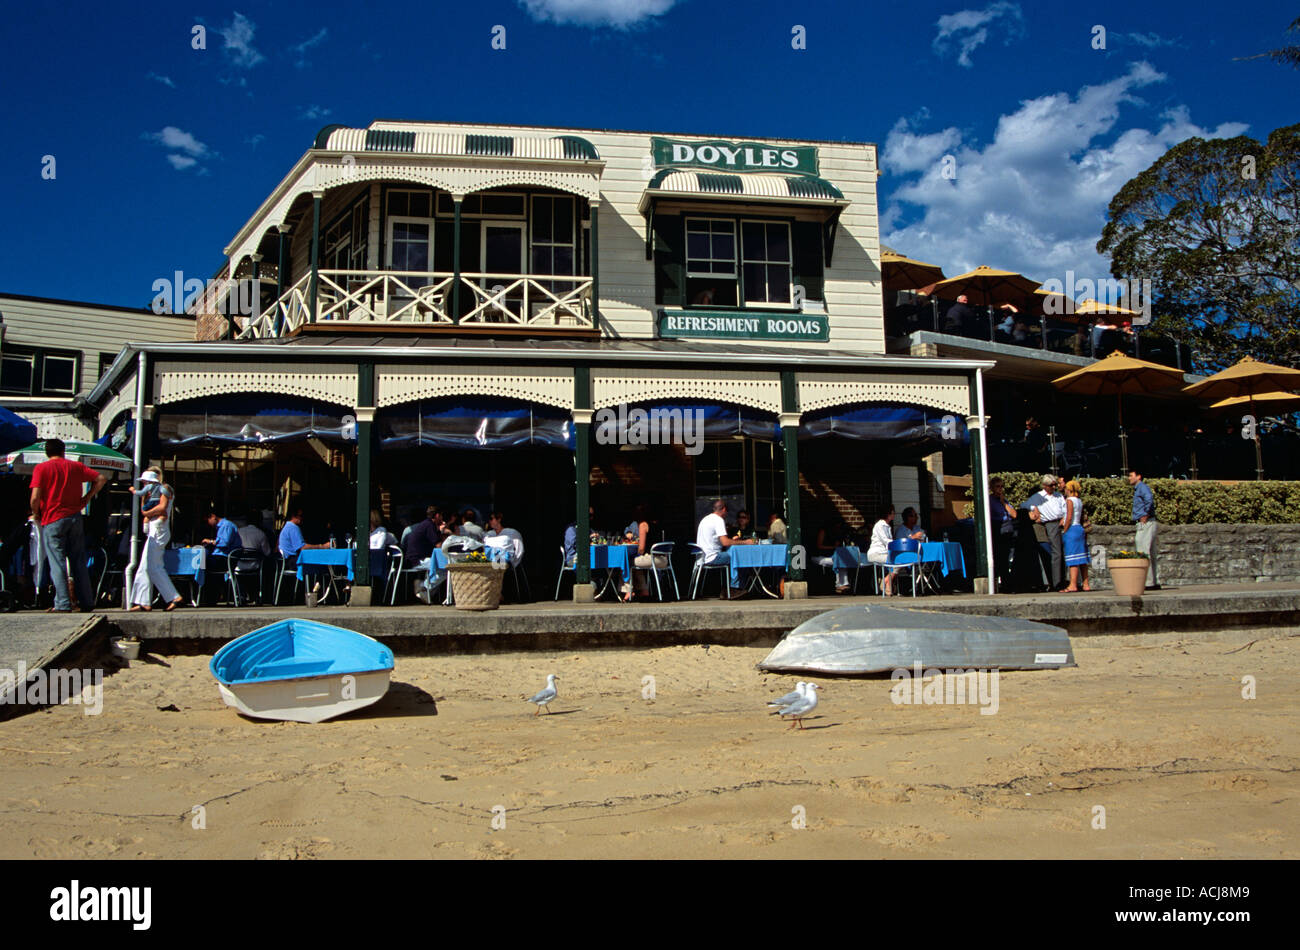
x: 797, y: 710
x: 546, y: 695
x: 789, y: 698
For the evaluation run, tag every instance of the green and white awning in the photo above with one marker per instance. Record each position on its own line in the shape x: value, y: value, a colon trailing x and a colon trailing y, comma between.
x: 98, y: 457
x: 416, y: 142
x: 785, y: 189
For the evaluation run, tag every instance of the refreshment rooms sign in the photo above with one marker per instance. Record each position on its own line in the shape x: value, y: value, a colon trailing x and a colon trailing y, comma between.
x: 739, y: 325
x: 735, y: 156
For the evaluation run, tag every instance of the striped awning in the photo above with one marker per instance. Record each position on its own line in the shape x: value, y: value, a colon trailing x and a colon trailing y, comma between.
x: 785, y: 189
x: 413, y: 142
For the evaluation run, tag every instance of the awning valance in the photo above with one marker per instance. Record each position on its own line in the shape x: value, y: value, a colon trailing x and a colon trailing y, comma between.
x: 783, y: 189
x: 905, y: 427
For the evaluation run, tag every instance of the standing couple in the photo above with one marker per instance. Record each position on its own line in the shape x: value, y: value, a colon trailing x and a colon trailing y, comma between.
x: 156, y: 511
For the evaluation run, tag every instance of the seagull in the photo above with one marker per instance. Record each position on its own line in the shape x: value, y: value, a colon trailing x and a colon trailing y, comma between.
x: 546, y: 695
x: 789, y: 698
x: 797, y: 710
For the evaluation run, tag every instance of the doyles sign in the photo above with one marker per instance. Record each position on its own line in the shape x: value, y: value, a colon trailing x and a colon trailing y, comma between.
x: 735, y: 156
x: 728, y: 325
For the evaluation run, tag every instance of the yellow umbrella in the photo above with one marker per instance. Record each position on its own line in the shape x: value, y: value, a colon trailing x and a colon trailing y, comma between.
x: 1120, y: 375
x: 1278, y: 402
x: 1091, y: 308
x: 1247, y: 379
x: 904, y: 273
x: 987, y: 286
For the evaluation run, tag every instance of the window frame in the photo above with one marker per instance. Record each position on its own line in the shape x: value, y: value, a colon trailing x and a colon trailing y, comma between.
x: 788, y: 262
x: 406, y: 219
x: 686, y: 253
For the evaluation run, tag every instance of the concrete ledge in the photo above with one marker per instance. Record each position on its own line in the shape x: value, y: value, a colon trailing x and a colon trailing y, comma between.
x: 547, y: 626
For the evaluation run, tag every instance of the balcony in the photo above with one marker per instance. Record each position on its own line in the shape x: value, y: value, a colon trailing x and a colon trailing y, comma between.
x: 381, y: 301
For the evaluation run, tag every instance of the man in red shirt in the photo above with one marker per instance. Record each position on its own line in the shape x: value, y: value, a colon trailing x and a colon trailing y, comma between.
x: 57, y: 500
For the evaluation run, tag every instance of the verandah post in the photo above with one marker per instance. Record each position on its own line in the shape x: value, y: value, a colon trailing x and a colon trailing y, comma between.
x: 582, y: 587
x: 365, y: 415
x: 796, y: 586
x: 315, y: 253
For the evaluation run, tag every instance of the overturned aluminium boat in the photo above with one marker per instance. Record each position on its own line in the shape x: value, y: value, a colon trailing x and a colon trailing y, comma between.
x: 302, y: 671
x: 879, y: 639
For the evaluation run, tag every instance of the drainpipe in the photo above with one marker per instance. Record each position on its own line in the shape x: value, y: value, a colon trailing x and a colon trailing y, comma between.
x: 456, y: 202
x: 134, y: 562
x: 982, y: 496
x: 315, y: 252
x: 595, y: 262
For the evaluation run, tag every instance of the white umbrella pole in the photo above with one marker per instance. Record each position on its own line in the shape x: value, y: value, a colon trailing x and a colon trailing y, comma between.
x: 134, y: 562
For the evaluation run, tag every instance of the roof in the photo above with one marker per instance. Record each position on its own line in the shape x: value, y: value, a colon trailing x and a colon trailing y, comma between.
x: 413, y: 142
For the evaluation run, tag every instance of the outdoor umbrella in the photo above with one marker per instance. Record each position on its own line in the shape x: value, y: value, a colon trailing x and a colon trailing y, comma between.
x: 1120, y: 375
x: 15, y: 431
x: 987, y: 286
x: 99, y: 457
x: 903, y: 273
x: 1247, y: 379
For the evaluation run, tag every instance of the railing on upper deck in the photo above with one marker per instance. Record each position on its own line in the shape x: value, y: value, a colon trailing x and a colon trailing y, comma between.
x: 350, y: 298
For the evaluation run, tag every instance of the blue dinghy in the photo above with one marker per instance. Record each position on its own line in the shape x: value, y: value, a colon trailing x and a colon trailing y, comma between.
x: 301, y: 670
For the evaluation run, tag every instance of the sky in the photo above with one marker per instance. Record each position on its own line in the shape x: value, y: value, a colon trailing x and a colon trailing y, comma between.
x: 1004, y: 128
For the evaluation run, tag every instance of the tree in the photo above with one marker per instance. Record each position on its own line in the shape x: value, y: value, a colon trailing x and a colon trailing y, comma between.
x: 1287, y: 55
x: 1215, y: 226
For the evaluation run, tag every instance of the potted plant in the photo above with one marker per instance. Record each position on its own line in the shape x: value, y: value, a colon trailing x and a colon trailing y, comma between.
x: 475, y: 581
x: 1128, y: 570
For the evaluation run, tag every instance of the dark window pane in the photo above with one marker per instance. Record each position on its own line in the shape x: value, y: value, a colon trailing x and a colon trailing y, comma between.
x: 755, y: 282
x: 563, y: 260
x: 503, y: 204
x: 16, y: 374
x: 59, y: 372
x: 752, y: 233
x: 563, y: 228
x: 697, y: 246
x: 420, y: 204
x: 397, y: 203
x: 542, y: 261
x: 778, y: 243
x: 778, y: 284
x: 542, y: 217
x: 724, y: 247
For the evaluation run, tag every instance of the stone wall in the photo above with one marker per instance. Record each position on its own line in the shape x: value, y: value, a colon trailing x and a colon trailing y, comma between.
x: 1209, y: 553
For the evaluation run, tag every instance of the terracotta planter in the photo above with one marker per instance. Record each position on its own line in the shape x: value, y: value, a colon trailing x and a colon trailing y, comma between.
x: 1129, y: 575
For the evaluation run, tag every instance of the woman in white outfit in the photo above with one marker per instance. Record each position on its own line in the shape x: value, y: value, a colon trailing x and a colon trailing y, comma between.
x: 155, y: 509
x: 878, y: 553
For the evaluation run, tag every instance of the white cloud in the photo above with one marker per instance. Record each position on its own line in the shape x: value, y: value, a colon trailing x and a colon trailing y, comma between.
x: 181, y: 162
x: 1150, y: 40
x: 1033, y: 199
x: 239, y: 42
x: 968, y: 30
x: 619, y: 14
x: 299, y: 50
x: 313, y: 113
x: 165, y: 80
x: 185, y: 150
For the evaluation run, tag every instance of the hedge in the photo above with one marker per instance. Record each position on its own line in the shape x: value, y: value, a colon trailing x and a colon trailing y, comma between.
x: 1109, y: 501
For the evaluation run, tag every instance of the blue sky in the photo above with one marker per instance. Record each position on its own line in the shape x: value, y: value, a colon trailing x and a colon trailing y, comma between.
x: 163, y: 151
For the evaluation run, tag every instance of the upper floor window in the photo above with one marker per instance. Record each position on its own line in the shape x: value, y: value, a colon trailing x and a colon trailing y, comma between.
x: 552, y: 234
x: 35, y: 372
x: 767, y: 261
x: 711, y: 262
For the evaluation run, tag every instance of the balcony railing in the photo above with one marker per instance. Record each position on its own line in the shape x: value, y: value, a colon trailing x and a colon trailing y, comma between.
x: 349, y: 298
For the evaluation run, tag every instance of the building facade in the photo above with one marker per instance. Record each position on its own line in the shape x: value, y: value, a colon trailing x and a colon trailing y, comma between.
x: 477, y: 314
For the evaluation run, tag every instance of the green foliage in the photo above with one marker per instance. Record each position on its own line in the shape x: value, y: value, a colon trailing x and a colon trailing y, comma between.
x: 1213, y: 225
x: 1109, y: 501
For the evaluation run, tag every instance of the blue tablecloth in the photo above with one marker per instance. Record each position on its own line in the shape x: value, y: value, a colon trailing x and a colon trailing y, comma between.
x: 440, y: 558
x: 848, y: 558
x: 746, y: 556
x: 946, y: 553
x: 615, y: 557
x: 186, y: 562
x: 321, y: 557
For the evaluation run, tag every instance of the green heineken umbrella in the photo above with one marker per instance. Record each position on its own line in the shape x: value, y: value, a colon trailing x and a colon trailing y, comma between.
x: 99, y: 457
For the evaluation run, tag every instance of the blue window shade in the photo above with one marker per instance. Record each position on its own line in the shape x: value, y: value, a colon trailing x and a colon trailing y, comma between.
x: 718, y: 421
x: 253, y: 420
x: 475, y: 424
x: 925, y: 430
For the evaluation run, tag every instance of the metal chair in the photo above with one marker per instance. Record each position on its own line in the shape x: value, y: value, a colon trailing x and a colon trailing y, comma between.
x: 520, y: 580
x: 403, y: 571
x: 565, y: 565
x: 283, y: 569
x: 244, y: 563
x: 663, y: 549
x: 699, y: 569
x: 903, y: 553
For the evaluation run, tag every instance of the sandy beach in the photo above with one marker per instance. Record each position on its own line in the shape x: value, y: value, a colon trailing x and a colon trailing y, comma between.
x: 1154, y: 730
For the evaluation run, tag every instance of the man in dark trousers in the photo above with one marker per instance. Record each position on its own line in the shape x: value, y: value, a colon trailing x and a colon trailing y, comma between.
x: 1144, y: 517
x: 1047, y: 508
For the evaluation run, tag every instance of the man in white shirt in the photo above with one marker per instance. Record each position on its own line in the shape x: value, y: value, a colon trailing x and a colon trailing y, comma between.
x: 508, y: 537
x: 1048, y: 509
x: 712, y: 538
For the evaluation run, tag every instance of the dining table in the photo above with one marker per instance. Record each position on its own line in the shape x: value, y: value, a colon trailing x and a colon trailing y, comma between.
x: 328, y: 558
x: 756, y: 558
x: 189, y: 562
x: 613, y: 559
x: 947, y: 554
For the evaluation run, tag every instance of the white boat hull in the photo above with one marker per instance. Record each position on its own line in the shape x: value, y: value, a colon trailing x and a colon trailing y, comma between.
x: 309, y: 699
x: 878, y: 639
